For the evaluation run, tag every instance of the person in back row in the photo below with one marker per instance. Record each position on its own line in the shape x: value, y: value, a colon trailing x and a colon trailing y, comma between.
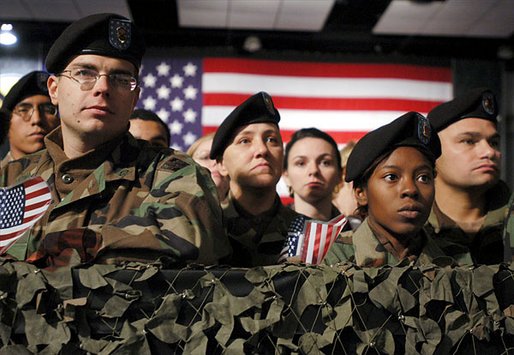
x: 248, y: 148
x: 392, y: 169
x: 200, y: 151
x: 114, y: 198
x: 31, y: 115
x: 145, y: 124
x: 471, y: 201
x: 312, y: 170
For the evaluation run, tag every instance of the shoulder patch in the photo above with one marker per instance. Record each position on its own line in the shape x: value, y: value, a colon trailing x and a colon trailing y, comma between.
x: 174, y: 164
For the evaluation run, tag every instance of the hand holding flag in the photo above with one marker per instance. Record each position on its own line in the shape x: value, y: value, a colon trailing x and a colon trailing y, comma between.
x: 21, y: 206
x: 311, y: 239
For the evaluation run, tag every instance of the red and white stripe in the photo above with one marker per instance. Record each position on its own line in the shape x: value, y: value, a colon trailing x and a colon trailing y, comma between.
x: 37, y: 200
x: 344, y: 100
x: 319, y: 237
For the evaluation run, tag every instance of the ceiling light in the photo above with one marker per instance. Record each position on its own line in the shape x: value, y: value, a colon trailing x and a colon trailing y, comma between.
x: 7, y: 36
x: 252, y: 44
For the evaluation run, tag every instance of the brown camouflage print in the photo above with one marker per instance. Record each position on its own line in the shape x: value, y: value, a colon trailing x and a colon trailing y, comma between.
x: 139, y: 202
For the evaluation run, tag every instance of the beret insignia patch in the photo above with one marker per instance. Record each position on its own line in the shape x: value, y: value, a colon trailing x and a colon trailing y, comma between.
x: 119, y: 33
x: 269, y: 103
x: 488, y: 103
x: 424, y: 130
x: 41, y: 81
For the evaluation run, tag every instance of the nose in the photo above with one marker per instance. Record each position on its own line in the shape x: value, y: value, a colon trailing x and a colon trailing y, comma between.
x: 261, y: 149
x: 102, y: 85
x: 312, y: 168
x: 36, y: 117
x: 488, y: 150
x: 409, y: 188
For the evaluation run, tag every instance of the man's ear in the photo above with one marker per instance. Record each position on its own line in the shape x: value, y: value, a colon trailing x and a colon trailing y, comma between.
x: 137, y: 92
x: 221, y: 167
x: 51, y: 83
x: 361, y: 196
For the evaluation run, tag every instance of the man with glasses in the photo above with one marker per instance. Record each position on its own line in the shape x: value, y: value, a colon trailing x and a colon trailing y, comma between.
x: 115, y: 198
x: 31, y: 115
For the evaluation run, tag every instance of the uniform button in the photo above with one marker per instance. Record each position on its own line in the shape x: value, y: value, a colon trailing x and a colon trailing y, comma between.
x: 67, y: 178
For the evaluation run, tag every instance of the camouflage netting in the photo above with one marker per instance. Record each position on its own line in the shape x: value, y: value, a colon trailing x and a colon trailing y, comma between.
x: 286, y: 309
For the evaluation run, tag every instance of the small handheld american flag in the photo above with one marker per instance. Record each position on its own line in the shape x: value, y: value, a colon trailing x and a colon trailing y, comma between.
x: 21, y: 206
x: 319, y: 237
x: 294, y: 241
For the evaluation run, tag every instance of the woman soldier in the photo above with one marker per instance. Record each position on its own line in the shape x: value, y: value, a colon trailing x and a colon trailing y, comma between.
x: 392, y: 169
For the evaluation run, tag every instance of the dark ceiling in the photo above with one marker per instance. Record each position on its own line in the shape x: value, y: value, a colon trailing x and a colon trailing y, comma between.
x: 347, y: 31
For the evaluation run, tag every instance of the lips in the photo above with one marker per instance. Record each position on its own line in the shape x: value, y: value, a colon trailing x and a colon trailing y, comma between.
x: 411, y: 211
x: 99, y: 108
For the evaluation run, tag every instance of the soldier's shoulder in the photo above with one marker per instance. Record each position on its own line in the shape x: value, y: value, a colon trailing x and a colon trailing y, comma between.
x: 173, y: 160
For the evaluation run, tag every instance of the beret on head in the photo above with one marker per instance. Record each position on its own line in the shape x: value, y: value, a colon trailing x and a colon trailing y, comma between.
x: 108, y: 35
x: 33, y: 83
x: 477, y: 103
x: 258, y: 108
x: 409, y: 130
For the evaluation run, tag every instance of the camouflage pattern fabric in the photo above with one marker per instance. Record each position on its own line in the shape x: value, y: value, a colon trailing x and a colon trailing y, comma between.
x: 124, y: 200
x: 486, y: 246
x: 5, y: 160
x: 139, y: 308
x: 508, y: 233
x: 256, y: 240
x: 363, y: 248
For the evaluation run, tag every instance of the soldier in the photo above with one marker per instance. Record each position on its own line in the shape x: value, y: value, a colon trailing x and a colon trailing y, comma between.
x: 471, y: 201
x: 115, y: 198
x: 312, y: 171
x: 508, y: 233
x: 145, y: 124
x: 392, y: 169
x: 249, y: 150
x: 31, y: 115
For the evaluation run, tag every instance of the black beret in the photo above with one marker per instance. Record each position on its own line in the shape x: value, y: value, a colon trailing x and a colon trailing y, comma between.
x: 33, y: 83
x: 145, y: 115
x: 477, y: 103
x: 411, y: 129
x: 108, y: 35
x: 258, y: 108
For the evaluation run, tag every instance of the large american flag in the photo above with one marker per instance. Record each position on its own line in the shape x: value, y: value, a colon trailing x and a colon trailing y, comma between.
x: 194, y: 95
x: 21, y: 206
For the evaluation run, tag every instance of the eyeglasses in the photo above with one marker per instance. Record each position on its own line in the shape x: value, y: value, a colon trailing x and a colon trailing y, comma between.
x: 25, y: 111
x: 87, y: 79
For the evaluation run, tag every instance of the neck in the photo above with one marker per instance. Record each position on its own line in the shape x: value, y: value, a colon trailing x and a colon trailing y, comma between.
x: 320, y: 210
x: 254, y: 200
x: 398, y: 244
x: 461, y: 205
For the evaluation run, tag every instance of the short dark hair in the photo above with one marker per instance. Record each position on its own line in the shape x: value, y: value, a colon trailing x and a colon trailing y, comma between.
x: 147, y: 115
x: 312, y: 133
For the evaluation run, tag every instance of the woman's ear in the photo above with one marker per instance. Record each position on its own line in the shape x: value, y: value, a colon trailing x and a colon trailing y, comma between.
x: 361, y: 196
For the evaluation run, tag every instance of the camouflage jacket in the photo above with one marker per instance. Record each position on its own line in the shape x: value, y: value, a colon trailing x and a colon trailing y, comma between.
x: 5, y: 160
x: 256, y: 240
x: 124, y: 200
x: 362, y: 247
x: 508, y: 233
x: 486, y: 246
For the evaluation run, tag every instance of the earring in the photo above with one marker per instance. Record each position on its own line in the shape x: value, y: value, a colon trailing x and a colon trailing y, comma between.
x: 290, y: 190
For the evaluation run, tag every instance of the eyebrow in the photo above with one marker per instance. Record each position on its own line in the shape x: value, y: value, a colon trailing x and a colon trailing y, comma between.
x: 93, y: 67
x: 475, y: 134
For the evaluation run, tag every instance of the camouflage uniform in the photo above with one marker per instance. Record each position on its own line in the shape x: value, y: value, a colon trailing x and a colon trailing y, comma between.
x: 363, y: 248
x: 256, y: 240
x: 508, y: 233
x: 486, y: 246
x: 5, y: 160
x: 123, y: 200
